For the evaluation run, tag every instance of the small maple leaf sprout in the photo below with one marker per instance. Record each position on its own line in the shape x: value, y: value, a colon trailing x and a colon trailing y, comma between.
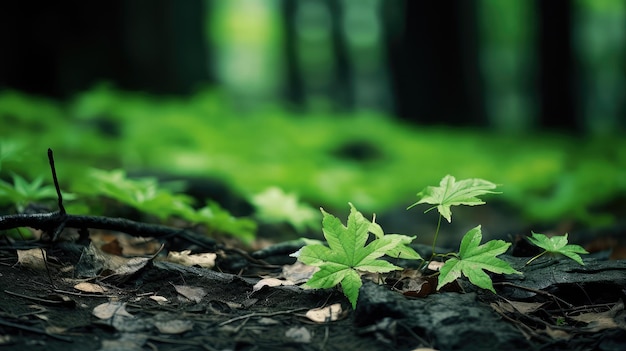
x: 348, y: 253
x: 556, y: 245
x: 474, y: 258
x: 452, y: 193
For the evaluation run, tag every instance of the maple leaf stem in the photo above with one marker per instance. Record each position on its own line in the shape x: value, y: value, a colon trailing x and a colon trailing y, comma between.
x: 436, y: 234
x: 433, y: 254
x: 535, y: 257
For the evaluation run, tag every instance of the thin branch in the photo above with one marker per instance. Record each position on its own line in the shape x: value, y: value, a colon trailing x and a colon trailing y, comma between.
x: 56, y: 181
x: 33, y: 330
x: 53, y: 223
x: 539, y: 292
x: 260, y: 314
x: 49, y: 222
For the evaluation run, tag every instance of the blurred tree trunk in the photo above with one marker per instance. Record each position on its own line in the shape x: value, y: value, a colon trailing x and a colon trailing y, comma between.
x: 342, y: 88
x: 434, y: 62
x: 164, y: 46
x: 600, y: 52
x: 294, y: 87
x: 318, y: 67
x: 58, y: 49
x: 556, y: 83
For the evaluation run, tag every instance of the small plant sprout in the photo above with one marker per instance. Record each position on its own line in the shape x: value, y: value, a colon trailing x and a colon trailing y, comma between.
x: 556, y: 245
x: 473, y: 258
x: 451, y: 193
x: 348, y: 254
x: 21, y: 192
x: 275, y: 205
x: 146, y: 195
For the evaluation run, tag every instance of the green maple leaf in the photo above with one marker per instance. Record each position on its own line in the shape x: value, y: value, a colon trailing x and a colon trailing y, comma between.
x: 473, y: 259
x: 402, y: 250
x: 347, y: 254
x: 557, y: 245
x: 451, y: 193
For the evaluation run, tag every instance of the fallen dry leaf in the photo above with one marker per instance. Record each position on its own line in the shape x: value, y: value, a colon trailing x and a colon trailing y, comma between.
x: 270, y: 282
x: 90, y: 288
x: 109, y: 309
x: 521, y: 307
x: 411, y: 282
x: 186, y: 258
x: 597, y: 321
x: 299, y: 334
x: 93, y: 261
x: 298, y: 272
x: 175, y: 326
x: 191, y: 293
x: 132, y: 266
x: 32, y: 258
x: 326, y: 314
x: 435, y: 265
x: 557, y: 334
x: 123, y: 244
x: 159, y: 299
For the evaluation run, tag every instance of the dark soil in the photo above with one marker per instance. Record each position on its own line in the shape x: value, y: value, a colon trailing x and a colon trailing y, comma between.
x: 229, y: 317
x: 41, y: 310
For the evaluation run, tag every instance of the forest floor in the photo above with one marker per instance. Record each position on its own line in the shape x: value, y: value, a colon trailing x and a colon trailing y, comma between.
x: 89, y: 297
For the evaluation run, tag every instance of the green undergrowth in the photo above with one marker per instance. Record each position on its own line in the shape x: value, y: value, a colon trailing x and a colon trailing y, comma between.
x: 349, y: 252
x: 324, y: 158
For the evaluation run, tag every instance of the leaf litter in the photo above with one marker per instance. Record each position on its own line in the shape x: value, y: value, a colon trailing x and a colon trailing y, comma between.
x: 135, y: 326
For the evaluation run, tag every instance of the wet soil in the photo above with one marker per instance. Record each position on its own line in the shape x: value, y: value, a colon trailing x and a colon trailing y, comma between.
x: 40, y: 308
x: 42, y: 312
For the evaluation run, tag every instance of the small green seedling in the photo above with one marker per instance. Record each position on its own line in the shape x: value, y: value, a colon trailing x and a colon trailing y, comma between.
x: 473, y: 258
x: 21, y: 192
x: 9, y: 151
x: 274, y: 205
x: 452, y: 193
x: 347, y: 253
x: 556, y: 245
x: 146, y: 195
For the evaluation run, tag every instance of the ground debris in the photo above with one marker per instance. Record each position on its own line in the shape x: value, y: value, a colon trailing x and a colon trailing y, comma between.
x: 224, y: 311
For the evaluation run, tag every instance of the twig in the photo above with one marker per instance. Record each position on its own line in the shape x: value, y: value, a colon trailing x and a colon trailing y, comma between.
x: 40, y: 300
x: 260, y: 314
x: 48, y: 221
x: 524, y: 329
x: 540, y: 292
x: 33, y: 330
x: 53, y: 223
x: 56, y: 181
x: 81, y: 294
x: 62, y: 214
x: 45, y: 262
x: 240, y: 326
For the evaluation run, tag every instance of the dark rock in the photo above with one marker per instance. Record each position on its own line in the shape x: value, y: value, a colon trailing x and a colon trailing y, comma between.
x: 565, y: 278
x: 445, y: 321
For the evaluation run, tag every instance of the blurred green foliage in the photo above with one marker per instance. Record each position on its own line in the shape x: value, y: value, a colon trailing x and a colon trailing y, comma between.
x: 325, y: 158
x: 275, y: 206
x: 21, y: 192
